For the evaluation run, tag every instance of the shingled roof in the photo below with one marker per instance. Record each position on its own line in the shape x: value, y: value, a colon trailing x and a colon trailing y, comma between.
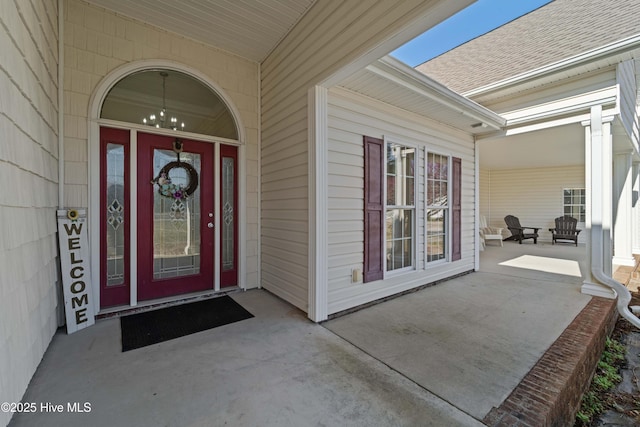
x: 556, y: 31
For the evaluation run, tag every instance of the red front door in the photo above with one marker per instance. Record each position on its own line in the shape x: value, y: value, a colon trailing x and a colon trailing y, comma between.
x: 174, y: 232
x: 175, y: 241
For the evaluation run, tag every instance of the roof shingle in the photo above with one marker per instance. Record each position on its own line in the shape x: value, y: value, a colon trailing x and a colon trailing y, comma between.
x: 556, y: 31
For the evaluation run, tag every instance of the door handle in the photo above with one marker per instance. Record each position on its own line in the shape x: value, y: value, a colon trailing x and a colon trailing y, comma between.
x: 210, y: 225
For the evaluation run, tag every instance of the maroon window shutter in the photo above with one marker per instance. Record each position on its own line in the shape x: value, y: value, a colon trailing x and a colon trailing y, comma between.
x: 373, y: 208
x: 456, y: 209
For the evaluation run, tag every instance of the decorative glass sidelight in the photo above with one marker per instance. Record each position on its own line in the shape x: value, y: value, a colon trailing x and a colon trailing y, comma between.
x: 228, y: 202
x: 115, y: 207
x: 176, y: 221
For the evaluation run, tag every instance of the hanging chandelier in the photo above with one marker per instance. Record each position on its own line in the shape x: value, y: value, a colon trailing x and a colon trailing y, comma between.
x: 160, y: 120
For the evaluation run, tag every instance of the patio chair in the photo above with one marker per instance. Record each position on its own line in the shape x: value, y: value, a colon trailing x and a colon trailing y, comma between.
x: 518, y: 232
x: 489, y: 233
x: 565, y: 229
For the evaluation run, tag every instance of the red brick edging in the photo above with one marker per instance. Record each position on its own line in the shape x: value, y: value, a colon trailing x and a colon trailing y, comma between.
x: 549, y: 395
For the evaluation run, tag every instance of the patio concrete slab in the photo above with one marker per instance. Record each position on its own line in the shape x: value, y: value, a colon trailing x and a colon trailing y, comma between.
x: 471, y: 340
x: 442, y: 356
x: 276, y: 369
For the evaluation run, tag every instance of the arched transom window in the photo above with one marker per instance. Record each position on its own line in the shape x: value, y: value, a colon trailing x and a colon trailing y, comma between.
x: 169, y: 99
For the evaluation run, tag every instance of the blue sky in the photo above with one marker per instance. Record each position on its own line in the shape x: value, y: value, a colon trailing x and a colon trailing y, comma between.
x: 479, y: 18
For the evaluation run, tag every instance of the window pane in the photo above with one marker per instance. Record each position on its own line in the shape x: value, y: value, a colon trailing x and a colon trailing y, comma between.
x: 576, y: 212
x: 410, y: 162
x: 228, y: 203
x: 436, y: 234
x: 437, y: 185
x: 574, y: 203
x: 399, y: 252
x: 437, y: 207
x: 400, y: 169
x: 397, y: 223
x: 391, y: 159
x: 154, y: 97
x: 116, y: 206
x: 398, y: 261
x: 408, y: 224
x: 409, y: 193
x: 400, y: 206
x: 442, y: 199
x: 176, y: 221
x: 391, y: 190
x: 444, y: 167
x: 407, y: 253
x: 431, y: 167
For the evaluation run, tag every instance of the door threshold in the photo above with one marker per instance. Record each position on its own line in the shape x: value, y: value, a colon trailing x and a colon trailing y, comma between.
x: 125, y: 310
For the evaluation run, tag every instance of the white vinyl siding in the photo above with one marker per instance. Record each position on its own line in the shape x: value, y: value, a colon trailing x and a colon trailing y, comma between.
x: 535, y: 196
x: 626, y: 78
x: 485, y: 194
x: 123, y: 40
x: 284, y: 203
x: 350, y: 117
x: 29, y: 197
x: 328, y: 38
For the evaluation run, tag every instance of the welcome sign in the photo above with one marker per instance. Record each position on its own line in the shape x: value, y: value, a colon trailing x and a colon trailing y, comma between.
x: 74, y: 261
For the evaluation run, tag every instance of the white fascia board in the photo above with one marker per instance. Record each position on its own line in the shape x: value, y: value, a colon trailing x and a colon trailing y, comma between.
x: 568, y: 106
x: 401, y: 74
x: 596, y: 54
x: 609, y: 115
x: 421, y: 21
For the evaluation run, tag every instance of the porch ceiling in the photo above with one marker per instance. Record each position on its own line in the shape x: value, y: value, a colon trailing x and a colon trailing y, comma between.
x: 558, y: 146
x: 551, y: 147
x: 251, y: 29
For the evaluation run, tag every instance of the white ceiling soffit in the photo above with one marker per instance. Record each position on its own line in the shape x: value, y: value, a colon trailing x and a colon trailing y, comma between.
x: 554, y: 147
x: 247, y: 28
x: 393, y: 82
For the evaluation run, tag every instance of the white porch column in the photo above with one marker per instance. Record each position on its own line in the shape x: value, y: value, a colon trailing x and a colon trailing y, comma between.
x: 318, y: 203
x: 607, y: 196
x: 623, y: 209
x: 598, y: 171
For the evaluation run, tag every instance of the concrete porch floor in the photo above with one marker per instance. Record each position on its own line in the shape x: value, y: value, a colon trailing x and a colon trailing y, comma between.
x: 442, y: 356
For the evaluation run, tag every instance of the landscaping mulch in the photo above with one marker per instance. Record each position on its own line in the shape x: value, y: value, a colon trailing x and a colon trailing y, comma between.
x: 623, y: 402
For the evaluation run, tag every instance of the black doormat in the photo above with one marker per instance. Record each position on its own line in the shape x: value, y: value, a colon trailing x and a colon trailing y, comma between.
x: 152, y: 327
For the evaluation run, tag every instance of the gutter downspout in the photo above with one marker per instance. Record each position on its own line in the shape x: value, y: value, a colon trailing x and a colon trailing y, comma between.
x: 597, y: 241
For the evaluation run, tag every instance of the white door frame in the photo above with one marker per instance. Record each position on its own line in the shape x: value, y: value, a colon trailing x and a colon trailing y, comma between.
x: 95, y: 106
